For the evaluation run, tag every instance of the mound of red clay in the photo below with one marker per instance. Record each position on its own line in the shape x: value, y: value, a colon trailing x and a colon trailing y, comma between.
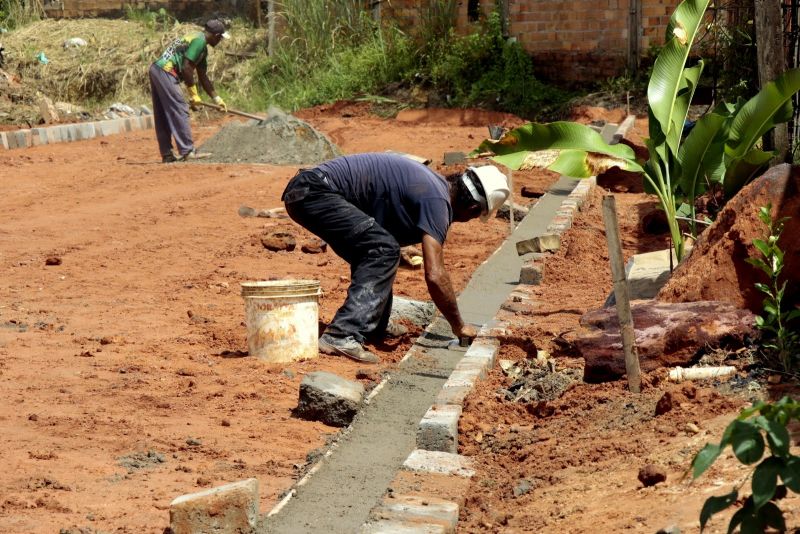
x: 716, y: 268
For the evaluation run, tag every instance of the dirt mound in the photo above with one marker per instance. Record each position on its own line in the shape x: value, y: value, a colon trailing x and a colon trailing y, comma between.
x: 280, y: 139
x: 717, y: 268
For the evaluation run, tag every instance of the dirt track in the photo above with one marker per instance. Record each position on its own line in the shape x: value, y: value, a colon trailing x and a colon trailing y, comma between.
x: 124, y: 370
x: 130, y: 344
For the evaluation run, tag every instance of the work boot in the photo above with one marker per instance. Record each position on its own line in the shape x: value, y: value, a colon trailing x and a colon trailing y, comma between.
x: 169, y: 158
x: 346, y: 346
x: 194, y: 155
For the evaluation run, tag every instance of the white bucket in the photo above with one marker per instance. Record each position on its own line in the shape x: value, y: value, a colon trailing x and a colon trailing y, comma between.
x: 281, y: 318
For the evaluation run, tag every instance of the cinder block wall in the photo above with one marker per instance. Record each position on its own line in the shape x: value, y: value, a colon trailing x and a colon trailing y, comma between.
x: 179, y: 8
x: 575, y: 40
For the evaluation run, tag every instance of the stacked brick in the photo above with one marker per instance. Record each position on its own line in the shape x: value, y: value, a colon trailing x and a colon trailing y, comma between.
x: 66, y: 133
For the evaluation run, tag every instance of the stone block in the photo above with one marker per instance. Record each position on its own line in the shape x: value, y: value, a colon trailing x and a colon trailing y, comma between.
x: 3, y: 141
x: 542, y: 243
x: 329, y: 398
x: 85, y: 130
x: 483, y: 350
x: 452, y: 395
x: 23, y: 138
x: 232, y: 508
x: 463, y: 378
x: 472, y: 364
x: 438, y: 429
x: 53, y: 135
x: 40, y: 136
x: 439, y: 462
x: 532, y: 273
x: 401, y: 527
x: 418, y: 509
x: 455, y: 158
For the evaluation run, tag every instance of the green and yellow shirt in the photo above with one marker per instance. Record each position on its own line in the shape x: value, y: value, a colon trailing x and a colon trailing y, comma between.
x: 192, y: 46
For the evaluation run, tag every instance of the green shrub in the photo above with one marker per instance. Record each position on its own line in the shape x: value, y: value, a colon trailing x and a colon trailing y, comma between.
x: 781, y: 341
x: 747, y: 435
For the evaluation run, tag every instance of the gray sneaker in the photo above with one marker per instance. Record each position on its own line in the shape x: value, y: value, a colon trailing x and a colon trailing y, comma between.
x: 194, y: 155
x: 346, y: 346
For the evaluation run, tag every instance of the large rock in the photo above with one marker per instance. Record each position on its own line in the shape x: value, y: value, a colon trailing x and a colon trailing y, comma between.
x: 716, y: 268
x: 329, y: 398
x: 667, y: 334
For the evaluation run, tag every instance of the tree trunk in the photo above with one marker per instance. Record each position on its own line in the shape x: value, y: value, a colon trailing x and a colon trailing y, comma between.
x: 771, y: 64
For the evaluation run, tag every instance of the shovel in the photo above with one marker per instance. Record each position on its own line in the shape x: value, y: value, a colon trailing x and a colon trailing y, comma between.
x: 233, y: 111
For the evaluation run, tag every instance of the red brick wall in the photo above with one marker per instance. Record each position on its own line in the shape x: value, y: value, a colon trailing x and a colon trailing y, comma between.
x: 579, y: 40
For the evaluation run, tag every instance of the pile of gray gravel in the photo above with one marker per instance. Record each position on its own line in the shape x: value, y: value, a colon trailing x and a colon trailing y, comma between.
x: 280, y: 139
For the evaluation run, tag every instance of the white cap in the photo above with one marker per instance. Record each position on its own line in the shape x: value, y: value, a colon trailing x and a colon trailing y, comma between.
x: 495, y: 186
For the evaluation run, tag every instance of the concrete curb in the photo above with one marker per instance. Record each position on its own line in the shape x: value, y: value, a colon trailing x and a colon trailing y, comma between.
x: 67, y: 133
x: 437, y: 432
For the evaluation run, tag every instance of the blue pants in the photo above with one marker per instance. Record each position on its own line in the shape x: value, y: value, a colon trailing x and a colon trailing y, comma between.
x: 170, y: 111
x: 372, y: 252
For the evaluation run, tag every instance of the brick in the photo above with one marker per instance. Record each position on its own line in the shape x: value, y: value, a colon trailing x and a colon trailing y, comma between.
x: 53, y: 134
x: 439, y: 462
x: 401, y: 527
x: 232, y: 508
x: 542, y: 243
x: 531, y: 273
x: 438, y: 429
x: 418, y: 510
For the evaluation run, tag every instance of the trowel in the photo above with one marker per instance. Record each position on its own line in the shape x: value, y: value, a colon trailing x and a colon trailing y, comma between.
x: 437, y: 341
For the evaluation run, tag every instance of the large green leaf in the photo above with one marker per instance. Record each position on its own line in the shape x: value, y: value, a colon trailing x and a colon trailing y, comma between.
x: 686, y: 88
x: 743, y: 170
x: 701, y: 154
x: 765, y: 480
x: 516, y: 145
x: 747, y: 442
x: 705, y: 458
x: 669, y: 76
x: 772, y: 105
x: 716, y: 504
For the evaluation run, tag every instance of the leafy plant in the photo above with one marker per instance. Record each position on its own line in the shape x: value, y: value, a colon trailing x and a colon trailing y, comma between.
x: 782, y: 342
x: 747, y: 435
x: 159, y: 20
x: 721, y: 148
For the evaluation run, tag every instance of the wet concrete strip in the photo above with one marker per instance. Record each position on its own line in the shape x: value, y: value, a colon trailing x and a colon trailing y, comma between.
x: 356, y: 473
x: 353, y: 478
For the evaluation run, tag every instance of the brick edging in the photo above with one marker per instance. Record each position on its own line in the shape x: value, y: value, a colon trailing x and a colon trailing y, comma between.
x: 419, y: 507
x: 67, y: 133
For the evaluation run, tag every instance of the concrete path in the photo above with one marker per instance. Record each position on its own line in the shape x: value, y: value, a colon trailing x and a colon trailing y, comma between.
x: 350, y: 482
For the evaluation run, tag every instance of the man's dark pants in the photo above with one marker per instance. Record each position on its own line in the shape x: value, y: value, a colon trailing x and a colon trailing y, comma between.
x: 372, y: 252
x: 170, y: 111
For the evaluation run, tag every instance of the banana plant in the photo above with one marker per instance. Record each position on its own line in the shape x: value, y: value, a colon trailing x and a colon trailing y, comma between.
x: 721, y: 148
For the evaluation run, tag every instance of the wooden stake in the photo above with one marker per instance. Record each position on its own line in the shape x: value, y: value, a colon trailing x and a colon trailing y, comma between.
x: 621, y: 294
x: 511, y: 201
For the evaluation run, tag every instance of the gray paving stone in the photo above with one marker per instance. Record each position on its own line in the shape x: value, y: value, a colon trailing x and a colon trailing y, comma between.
x: 3, y: 141
x: 232, y: 508
x: 401, y: 527
x: 439, y: 462
x: 421, y: 510
x: 438, y: 429
x: 329, y: 398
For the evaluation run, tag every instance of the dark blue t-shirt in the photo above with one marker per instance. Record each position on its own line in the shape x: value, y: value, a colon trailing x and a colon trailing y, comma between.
x: 405, y: 197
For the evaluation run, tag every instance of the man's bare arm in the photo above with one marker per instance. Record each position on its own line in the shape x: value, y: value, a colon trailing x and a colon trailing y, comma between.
x: 440, y: 287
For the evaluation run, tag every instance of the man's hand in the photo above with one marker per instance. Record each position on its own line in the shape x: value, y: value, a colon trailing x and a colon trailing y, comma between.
x: 467, y: 331
x: 221, y: 103
x: 194, y: 98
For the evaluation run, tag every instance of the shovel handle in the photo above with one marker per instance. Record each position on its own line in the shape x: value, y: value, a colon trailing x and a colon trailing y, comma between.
x: 232, y: 111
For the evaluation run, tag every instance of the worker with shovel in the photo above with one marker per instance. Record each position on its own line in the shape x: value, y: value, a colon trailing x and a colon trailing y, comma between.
x: 366, y: 206
x: 179, y: 63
